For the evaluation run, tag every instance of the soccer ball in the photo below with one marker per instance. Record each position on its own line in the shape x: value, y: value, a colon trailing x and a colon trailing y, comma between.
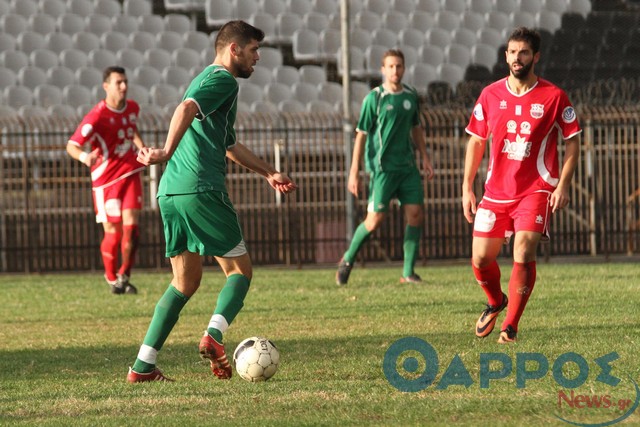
x: 256, y: 359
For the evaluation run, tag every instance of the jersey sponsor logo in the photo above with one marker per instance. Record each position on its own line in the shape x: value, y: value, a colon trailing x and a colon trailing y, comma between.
x: 477, y: 113
x: 525, y: 128
x: 132, y: 118
x: 121, y: 149
x: 503, y: 105
x: 539, y: 219
x: 511, y: 126
x: 86, y: 130
x: 518, y: 149
x: 518, y: 110
x: 568, y: 115
x: 406, y: 104
x: 389, y: 107
x: 537, y: 110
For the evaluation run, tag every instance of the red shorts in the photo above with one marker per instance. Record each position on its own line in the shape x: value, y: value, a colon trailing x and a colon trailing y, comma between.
x: 109, y: 202
x: 501, y: 220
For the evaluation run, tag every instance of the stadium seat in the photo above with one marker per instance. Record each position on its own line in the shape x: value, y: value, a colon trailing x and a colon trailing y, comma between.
x: 70, y: 23
x: 431, y: 54
x: 420, y: 75
x: 62, y: 111
x: 187, y: 58
x: 43, y: 59
x: 32, y: 112
x: 357, y: 63
x: 176, y: 76
x: 15, y: 60
x: 483, y: 54
x: 114, y: 41
x: 286, y: 74
x: 472, y: 21
x: 31, y: 76
x: 6, y: 111
x: 179, y: 23
x: 291, y: 106
x: 379, y: 7
x: 270, y: 57
x: 404, y: 7
x: 13, y: 24
x: 142, y: 40
x: 169, y: 40
x: 7, y: 42
x: 506, y: 6
x: 157, y: 58
x: 273, y: 7
x: 315, y: 21
x: 582, y: 7
x: 250, y: 93
x: 243, y: 9
x: 261, y: 76
x: 548, y: 20
x: 277, y: 92
x: 367, y: 20
x: 450, y: 73
x: 196, y: 40
x: 153, y: 24
x: 264, y: 107
x: 53, y: 8
x: 89, y: 77
x: 359, y: 90
x: 41, y: 23
x: 138, y: 93
x: 85, y: 41
x: 146, y: 76
x: 125, y: 24
x: 313, y: 74
x: 438, y: 37
x: 269, y: 25
x: 481, y: 6
x: 330, y: 92
x: 73, y: 58
x: 17, y: 96
x: 218, y: 12
x: 411, y: 37
x: 465, y: 37
x: 395, y: 21
x: 137, y: 7
x: 430, y: 6
x: 129, y: 58
x: 327, y: 7
x: 360, y: 38
x: 28, y: 41
x: 98, y: 24
x: 411, y: 55
x: 76, y: 95
x: 384, y: 37
x: 25, y: 8
x: 163, y: 95
x: 305, y: 92
x: 101, y: 58
x: 499, y: 21
x: 457, y: 54
x: 7, y: 77
x: 373, y: 59
x: 60, y: 76
x: 83, y: 8
x: 456, y: 6
x: 192, y: 6
x: 109, y: 8
x: 522, y: 19
x: 491, y: 37
x: 319, y: 106
x: 83, y: 109
x: 46, y: 95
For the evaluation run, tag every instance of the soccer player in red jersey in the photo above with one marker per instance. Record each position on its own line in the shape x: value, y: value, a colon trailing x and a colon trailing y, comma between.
x: 525, y: 116
x: 110, y: 132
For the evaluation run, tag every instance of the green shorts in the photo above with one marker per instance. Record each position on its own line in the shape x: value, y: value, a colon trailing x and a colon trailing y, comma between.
x: 406, y: 186
x: 204, y: 223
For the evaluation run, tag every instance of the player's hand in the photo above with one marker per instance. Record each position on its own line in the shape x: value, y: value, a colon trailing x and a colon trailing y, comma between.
x: 92, y: 158
x: 151, y: 156
x: 559, y: 199
x: 353, y: 185
x: 469, y: 205
x: 428, y: 169
x: 282, y: 183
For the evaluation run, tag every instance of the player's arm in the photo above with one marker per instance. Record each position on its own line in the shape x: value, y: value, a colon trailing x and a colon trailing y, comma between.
x: 243, y: 156
x: 77, y: 153
x: 137, y: 140
x: 353, y: 184
x: 560, y: 197
x: 180, y: 122
x: 472, y: 159
x: 420, y: 141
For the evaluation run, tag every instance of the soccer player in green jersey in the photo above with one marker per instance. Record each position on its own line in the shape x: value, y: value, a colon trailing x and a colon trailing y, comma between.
x: 387, y: 134
x: 197, y: 214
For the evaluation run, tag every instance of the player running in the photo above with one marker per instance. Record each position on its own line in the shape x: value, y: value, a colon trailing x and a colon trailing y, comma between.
x: 524, y: 115
x: 110, y: 131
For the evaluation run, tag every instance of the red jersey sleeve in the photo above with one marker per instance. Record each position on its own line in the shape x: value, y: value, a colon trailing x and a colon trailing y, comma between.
x: 478, y: 125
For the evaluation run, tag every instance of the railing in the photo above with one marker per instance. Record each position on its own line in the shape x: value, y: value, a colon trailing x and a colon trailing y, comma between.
x: 47, y: 221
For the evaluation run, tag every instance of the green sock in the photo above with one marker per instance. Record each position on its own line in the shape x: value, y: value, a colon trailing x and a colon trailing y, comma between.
x: 164, y: 319
x: 230, y: 302
x: 360, y: 236
x: 411, y: 240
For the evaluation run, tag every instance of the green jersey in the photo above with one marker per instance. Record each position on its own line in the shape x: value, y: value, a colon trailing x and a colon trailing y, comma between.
x: 387, y: 118
x: 199, y: 163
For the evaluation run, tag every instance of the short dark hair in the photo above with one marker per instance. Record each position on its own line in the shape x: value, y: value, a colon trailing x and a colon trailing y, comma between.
x: 109, y: 70
x: 527, y: 35
x: 239, y: 32
x: 393, y: 52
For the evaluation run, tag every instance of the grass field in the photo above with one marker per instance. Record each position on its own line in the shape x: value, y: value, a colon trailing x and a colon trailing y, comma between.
x: 66, y: 344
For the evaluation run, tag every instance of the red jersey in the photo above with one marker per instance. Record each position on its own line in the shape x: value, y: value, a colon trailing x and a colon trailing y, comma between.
x: 111, y: 131
x: 525, y: 129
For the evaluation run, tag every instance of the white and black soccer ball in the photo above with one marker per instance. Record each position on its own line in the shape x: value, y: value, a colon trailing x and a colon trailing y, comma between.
x: 256, y: 359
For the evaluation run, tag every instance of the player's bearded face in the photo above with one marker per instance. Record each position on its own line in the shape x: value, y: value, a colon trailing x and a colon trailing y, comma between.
x: 520, y: 58
x: 393, y: 69
x: 246, y: 58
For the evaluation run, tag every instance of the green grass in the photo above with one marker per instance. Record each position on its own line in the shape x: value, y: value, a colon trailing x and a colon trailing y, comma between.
x: 66, y: 344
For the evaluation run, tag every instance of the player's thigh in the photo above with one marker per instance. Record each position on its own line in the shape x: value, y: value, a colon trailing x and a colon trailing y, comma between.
x: 485, y: 250
x: 131, y: 196
x: 187, y: 272
x: 204, y: 223
x: 409, y: 188
x: 236, y: 265
x: 533, y: 213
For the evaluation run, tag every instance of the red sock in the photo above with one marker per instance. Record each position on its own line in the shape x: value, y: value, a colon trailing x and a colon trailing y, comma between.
x: 129, y: 247
x: 109, y: 250
x: 489, y: 278
x: 523, y: 278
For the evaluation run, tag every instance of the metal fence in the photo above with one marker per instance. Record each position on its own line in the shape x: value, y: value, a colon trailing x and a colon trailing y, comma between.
x: 47, y: 221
